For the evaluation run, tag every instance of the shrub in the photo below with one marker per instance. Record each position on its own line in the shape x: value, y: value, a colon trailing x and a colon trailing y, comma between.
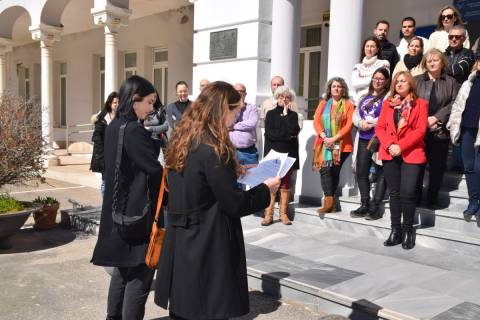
x: 21, y: 142
x: 9, y: 204
x: 45, y: 200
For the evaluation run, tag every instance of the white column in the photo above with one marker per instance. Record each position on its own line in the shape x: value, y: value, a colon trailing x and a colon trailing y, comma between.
x: 345, y: 38
x: 111, y: 18
x: 47, y: 35
x: 5, y: 47
x: 285, y: 40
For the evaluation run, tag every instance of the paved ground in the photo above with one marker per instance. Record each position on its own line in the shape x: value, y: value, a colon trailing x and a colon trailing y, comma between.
x: 47, y: 274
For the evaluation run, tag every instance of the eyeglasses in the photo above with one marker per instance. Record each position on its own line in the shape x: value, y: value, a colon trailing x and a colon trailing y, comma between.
x: 284, y: 98
x: 454, y: 37
x: 447, y: 16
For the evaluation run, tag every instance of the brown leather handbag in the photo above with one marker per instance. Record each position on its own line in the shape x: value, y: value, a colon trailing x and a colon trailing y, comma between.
x: 158, y: 234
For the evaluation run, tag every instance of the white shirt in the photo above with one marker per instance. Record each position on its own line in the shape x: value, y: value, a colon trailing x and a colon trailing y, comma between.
x: 402, y: 47
x: 439, y: 40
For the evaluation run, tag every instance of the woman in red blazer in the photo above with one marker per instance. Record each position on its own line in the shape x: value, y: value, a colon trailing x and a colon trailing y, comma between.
x: 400, y: 129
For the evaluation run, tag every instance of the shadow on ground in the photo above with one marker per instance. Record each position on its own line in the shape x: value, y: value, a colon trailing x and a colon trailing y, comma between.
x: 29, y: 240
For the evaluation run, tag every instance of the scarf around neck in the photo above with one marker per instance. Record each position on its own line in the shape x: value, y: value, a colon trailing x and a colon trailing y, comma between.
x: 370, y: 61
x: 404, y: 106
x: 412, y: 61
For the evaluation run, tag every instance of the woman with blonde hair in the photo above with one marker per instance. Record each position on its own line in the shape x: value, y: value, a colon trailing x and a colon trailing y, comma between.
x: 440, y: 90
x: 448, y: 17
x: 400, y: 129
x: 333, y: 145
x: 202, y: 269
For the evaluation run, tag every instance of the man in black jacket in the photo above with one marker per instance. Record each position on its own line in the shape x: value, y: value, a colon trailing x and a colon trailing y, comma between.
x: 389, y: 51
x: 460, y: 59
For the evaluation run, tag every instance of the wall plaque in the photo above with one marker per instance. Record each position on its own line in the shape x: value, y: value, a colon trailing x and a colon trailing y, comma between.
x: 223, y: 44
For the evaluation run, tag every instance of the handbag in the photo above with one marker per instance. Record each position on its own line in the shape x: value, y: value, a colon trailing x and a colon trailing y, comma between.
x: 129, y: 227
x: 157, y: 234
x: 373, y: 145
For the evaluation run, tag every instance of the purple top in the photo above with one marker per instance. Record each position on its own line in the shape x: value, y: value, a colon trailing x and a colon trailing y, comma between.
x: 244, y: 133
x: 369, y: 110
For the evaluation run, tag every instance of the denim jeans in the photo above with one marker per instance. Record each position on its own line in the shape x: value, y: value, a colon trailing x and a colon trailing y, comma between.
x: 247, y: 155
x: 471, y: 161
x: 128, y: 292
x: 402, y: 181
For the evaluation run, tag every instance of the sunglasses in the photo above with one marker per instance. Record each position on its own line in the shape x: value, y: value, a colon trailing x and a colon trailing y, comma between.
x: 447, y: 16
x: 454, y: 36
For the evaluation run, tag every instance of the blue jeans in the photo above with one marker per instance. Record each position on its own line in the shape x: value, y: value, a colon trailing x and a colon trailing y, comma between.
x: 471, y: 161
x: 247, y: 155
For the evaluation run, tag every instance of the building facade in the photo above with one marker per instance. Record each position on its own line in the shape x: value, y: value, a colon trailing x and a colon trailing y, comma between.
x: 70, y: 54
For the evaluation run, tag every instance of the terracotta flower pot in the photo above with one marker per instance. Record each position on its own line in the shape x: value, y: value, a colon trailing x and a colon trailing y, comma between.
x: 45, y: 217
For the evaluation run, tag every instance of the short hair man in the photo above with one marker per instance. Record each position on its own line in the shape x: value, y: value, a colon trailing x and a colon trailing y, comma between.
x: 203, y: 84
x: 270, y: 103
x: 389, y: 51
x: 408, y: 32
x: 243, y: 134
x: 460, y: 59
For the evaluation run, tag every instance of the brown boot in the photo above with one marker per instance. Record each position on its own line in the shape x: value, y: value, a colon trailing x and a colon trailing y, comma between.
x: 328, y: 205
x: 284, y: 201
x: 268, y: 219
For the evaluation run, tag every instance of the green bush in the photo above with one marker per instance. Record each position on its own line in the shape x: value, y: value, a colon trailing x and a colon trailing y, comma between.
x: 45, y: 200
x: 9, y: 204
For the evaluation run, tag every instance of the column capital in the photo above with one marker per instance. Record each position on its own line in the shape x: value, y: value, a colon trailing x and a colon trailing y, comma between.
x: 6, y: 45
x: 47, y: 34
x: 111, y: 17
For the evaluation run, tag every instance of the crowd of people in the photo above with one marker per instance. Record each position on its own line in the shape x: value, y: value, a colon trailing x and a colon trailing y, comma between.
x: 408, y: 105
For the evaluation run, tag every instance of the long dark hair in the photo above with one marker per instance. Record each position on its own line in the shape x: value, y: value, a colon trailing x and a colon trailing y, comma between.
x: 386, y: 74
x: 204, y: 123
x: 134, y: 89
x: 108, y: 104
x: 377, y: 43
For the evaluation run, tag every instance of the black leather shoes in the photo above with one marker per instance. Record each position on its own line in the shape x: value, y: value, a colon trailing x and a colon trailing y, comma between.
x: 394, y: 238
x: 408, y: 241
x: 362, y: 210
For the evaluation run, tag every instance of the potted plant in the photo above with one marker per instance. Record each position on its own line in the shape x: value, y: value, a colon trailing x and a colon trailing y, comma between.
x: 45, y: 217
x: 21, y: 157
x: 13, y: 215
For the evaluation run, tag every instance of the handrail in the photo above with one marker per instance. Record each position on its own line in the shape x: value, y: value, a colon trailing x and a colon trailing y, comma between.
x: 68, y: 133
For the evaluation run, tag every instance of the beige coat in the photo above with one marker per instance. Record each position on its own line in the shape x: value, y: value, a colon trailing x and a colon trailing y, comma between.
x: 402, y: 67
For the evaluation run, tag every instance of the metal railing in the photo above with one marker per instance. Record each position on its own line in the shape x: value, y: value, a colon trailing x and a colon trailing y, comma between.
x: 70, y: 130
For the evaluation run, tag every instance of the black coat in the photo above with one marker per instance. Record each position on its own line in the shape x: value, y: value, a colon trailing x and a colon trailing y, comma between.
x: 202, y: 270
x: 140, y: 173
x: 98, y: 163
x: 445, y: 94
x: 460, y: 63
x: 390, y: 53
x: 281, y: 133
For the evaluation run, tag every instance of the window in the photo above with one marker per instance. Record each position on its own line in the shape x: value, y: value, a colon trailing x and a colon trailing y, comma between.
x: 311, y: 36
x: 27, y: 83
x: 160, y: 72
x: 63, y: 94
x: 130, y: 64
x: 102, y: 81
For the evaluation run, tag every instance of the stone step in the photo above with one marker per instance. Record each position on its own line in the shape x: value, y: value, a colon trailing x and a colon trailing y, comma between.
x: 60, y: 152
x: 432, y: 237
x: 445, y: 219
x: 74, y: 160
x: 82, y: 220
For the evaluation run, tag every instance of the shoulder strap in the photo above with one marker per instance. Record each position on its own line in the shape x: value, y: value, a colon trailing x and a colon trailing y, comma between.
x: 160, y: 194
x: 118, y: 162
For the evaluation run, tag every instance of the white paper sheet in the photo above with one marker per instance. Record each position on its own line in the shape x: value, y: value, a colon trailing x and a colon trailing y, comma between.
x: 273, y: 164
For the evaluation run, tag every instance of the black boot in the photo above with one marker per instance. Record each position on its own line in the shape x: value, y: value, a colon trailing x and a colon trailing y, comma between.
x: 408, y: 241
x: 362, y: 210
x: 380, y: 189
x: 373, y: 212
x: 395, y: 237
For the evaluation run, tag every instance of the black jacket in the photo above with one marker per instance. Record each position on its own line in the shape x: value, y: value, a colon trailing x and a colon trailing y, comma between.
x: 389, y: 52
x: 281, y: 133
x: 202, y: 269
x: 140, y: 175
x: 445, y: 94
x: 98, y: 163
x: 460, y: 63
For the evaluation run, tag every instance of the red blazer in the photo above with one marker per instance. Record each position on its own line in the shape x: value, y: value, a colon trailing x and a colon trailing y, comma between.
x: 409, y: 139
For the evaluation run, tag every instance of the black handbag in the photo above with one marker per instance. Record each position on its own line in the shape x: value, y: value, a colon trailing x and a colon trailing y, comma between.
x: 129, y: 227
x: 373, y: 145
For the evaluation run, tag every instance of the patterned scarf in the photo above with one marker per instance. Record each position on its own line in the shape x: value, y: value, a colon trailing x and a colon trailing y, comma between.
x: 333, y: 119
x: 405, y: 107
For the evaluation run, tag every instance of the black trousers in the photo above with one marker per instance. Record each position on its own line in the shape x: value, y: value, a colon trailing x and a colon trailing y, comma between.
x: 330, y: 176
x: 437, y: 153
x: 364, y: 162
x: 402, y: 183
x: 128, y: 293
